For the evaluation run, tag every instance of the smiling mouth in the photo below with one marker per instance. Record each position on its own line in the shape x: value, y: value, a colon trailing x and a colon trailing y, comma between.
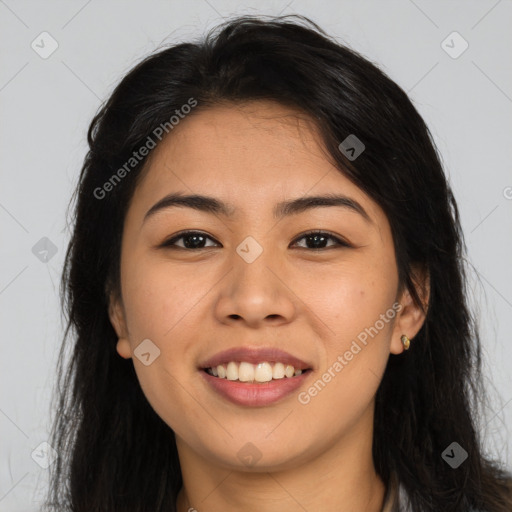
x: 255, y: 373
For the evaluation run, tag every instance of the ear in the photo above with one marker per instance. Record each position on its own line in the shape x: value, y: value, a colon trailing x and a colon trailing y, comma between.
x: 117, y: 317
x: 410, y: 318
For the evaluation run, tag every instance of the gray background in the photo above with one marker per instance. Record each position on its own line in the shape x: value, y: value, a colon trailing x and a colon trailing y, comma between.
x: 47, y: 104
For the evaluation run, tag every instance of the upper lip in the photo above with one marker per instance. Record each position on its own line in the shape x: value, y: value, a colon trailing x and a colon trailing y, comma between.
x: 255, y: 355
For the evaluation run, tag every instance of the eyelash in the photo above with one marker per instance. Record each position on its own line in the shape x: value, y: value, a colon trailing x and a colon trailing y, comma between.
x: 170, y: 244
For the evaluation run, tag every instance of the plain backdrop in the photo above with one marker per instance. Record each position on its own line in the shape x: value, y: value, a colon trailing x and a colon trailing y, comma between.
x: 48, y: 103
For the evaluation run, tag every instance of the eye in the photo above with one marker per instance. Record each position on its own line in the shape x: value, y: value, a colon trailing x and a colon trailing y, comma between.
x: 318, y: 239
x: 315, y: 240
x: 192, y: 240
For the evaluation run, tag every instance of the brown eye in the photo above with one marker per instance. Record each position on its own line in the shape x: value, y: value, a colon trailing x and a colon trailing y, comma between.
x: 316, y: 240
x: 191, y: 240
x: 195, y: 240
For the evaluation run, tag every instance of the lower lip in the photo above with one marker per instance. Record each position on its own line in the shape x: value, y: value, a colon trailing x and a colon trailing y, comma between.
x: 255, y: 395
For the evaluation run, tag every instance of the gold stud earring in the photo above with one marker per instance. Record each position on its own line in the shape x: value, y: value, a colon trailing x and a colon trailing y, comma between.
x: 406, y: 342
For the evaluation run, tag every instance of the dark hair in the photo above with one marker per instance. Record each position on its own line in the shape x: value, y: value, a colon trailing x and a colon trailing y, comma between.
x: 116, y: 453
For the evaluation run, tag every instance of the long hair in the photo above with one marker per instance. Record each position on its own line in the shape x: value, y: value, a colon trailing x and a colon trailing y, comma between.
x: 115, y: 452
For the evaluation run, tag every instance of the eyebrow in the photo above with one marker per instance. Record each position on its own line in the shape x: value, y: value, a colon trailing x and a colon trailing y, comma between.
x: 286, y: 208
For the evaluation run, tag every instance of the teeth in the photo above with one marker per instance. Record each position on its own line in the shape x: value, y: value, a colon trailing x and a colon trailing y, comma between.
x: 278, y: 371
x: 263, y: 372
x: 232, y: 371
x: 247, y: 372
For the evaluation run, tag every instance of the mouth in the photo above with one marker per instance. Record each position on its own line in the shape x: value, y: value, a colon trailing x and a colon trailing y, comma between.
x: 262, y: 372
x: 254, y: 377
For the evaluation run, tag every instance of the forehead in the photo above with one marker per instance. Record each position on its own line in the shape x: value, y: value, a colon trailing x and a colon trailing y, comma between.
x: 261, y: 135
x: 249, y: 154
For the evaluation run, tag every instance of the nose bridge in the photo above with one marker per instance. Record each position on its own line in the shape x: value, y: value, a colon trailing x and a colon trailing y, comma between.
x: 252, y: 264
x: 250, y: 250
x: 255, y: 291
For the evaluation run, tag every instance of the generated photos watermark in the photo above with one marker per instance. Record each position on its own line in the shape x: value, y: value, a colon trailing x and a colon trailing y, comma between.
x: 137, y: 156
x: 304, y: 397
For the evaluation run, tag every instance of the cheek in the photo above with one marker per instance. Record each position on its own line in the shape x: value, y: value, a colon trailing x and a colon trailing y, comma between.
x: 350, y: 296
x: 355, y: 358
x: 160, y: 298
x: 161, y: 305
x: 355, y: 302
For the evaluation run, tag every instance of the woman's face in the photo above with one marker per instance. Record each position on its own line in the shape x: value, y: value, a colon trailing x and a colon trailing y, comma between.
x: 251, y: 280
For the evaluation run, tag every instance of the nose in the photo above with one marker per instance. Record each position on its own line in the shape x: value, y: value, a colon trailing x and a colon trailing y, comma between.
x: 256, y: 293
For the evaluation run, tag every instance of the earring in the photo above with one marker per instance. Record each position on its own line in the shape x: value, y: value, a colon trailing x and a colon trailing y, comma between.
x: 406, y: 342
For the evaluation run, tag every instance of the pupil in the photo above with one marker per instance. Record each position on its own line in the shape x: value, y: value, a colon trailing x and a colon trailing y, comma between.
x: 192, y: 245
x: 316, y: 238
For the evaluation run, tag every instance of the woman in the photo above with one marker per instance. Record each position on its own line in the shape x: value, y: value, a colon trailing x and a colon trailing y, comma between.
x: 266, y: 288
